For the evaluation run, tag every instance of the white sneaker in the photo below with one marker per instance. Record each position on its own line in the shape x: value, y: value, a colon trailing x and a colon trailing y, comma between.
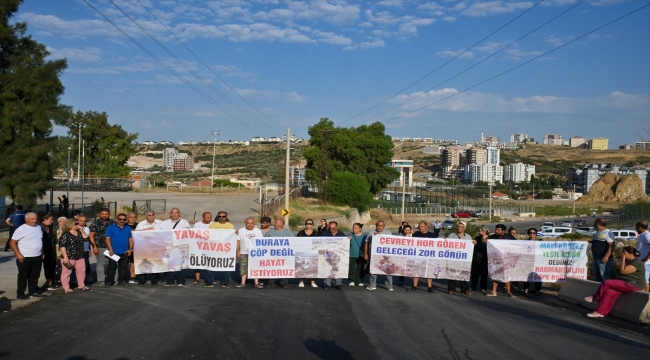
x: 589, y: 299
x: 351, y: 284
x: 371, y: 288
x: 181, y: 285
x: 301, y: 285
x: 391, y: 289
x: 314, y: 285
x: 360, y: 284
x: 132, y: 282
x: 594, y: 315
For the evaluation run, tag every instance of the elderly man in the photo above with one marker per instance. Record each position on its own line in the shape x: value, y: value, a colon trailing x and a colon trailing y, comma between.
x: 98, y: 242
x: 175, y: 223
x: 27, y: 244
x: 221, y: 224
x: 120, y: 243
x: 206, y: 220
x: 149, y: 223
x: 461, y: 235
x: 423, y: 232
x: 380, y: 229
x: 333, y: 231
x: 243, y: 235
x: 279, y: 231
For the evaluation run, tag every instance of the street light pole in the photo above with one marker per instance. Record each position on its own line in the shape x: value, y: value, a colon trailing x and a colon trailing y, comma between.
x: 79, y: 157
x: 214, y: 151
x: 286, y: 177
x: 83, y: 177
x: 67, y: 194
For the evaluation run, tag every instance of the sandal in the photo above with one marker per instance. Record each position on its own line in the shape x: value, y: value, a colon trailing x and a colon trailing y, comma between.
x: 259, y: 286
x: 85, y: 288
x: 68, y: 291
x: 195, y: 282
x: 491, y: 294
x: 510, y: 294
x: 239, y: 286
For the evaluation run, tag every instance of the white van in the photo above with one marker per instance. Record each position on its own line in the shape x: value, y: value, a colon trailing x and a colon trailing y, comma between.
x: 555, y: 231
x: 626, y: 234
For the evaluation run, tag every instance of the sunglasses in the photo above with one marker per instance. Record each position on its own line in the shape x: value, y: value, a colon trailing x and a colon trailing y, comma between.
x: 121, y: 219
x: 221, y: 217
x: 532, y: 233
x: 309, y: 223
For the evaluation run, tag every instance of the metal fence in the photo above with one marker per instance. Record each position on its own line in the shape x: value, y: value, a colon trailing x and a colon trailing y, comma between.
x: 95, y: 184
x: 628, y: 214
x: 88, y: 209
x: 460, y: 196
x: 159, y: 206
x: 439, y: 209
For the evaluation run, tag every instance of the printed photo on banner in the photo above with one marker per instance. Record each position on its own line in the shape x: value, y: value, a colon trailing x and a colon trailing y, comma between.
x: 299, y: 257
x: 536, y: 261
x: 173, y: 250
x: 421, y: 257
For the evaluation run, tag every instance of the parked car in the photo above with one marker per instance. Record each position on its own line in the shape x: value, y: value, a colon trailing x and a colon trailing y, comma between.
x: 579, y: 222
x: 588, y: 230
x: 461, y: 214
x: 482, y: 213
x: 555, y: 231
x: 568, y: 223
x: 627, y: 234
x: 448, y: 224
x: 547, y: 224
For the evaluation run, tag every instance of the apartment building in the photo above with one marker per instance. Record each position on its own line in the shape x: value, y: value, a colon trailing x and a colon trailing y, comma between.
x: 577, y: 142
x: 476, y: 156
x: 452, y: 160
x: 493, y: 155
x: 518, y: 172
x: 183, y: 162
x: 599, y: 143
x: 642, y: 145
x: 405, y: 168
x: 553, y: 139
x: 483, y: 172
x: 583, y: 178
x: 518, y: 138
x: 168, y: 156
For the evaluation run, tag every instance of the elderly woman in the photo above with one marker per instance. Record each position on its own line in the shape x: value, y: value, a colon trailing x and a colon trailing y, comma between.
x: 49, y: 252
x: 58, y: 231
x: 71, y: 245
x: 631, y: 278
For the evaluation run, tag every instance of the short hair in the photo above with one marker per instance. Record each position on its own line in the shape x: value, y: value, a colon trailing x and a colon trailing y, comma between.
x: 120, y: 214
x: 45, y: 217
x: 334, y: 222
x: 423, y: 222
x: 511, y: 228
x: 531, y: 229
x: 149, y: 211
x: 405, y: 223
x: 323, y: 220
x: 174, y: 208
x: 642, y: 224
x: 69, y: 224
x: 207, y: 212
x: 280, y: 219
x: 104, y: 209
x: 249, y: 218
x: 500, y: 226
x: 360, y: 225
x: 31, y: 214
x: 380, y: 221
x: 19, y: 207
x: 265, y: 219
x: 82, y: 216
x: 600, y: 221
x: 222, y: 212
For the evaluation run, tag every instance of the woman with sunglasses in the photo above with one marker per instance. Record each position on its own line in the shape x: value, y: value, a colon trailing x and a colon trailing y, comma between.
x: 71, y: 245
x: 532, y: 236
x: 308, y: 231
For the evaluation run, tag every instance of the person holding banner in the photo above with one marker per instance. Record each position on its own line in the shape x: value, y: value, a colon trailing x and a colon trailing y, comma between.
x: 265, y: 224
x: 602, y: 248
x: 205, y: 222
x: 119, y: 242
x: 333, y: 232
x: 149, y: 223
x: 279, y: 231
x: 423, y: 232
x: 380, y: 229
x: 461, y: 235
x: 308, y: 231
x: 355, y: 272
x: 479, y: 261
x: 532, y: 236
x: 500, y: 233
x: 243, y: 236
x: 632, y: 278
x: 175, y: 223
x: 222, y: 223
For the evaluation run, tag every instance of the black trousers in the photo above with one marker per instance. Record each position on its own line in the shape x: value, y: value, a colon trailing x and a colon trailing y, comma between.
x: 11, y: 233
x: 28, y: 273
x: 121, y: 267
x: 49, y: 266
x: 537, y: 285
x: 479, y: 270
x: 451, y: 285
x: 155, y: 277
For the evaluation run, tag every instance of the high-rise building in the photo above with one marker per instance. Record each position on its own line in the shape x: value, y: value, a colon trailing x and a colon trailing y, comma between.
x: 599, y: 143
x: 491, y: 140
x: 642, y: 145
x: 405, y: 168
x: 476, y: 156
x: 168, y: 156
x: 518, y: 172
x: 493, y: 156
x: 183, y: 162
x: 483, y: 172
x: 452, y: 160
x: 553, y: 139
x: 577, y: 141
x: 518, y: 138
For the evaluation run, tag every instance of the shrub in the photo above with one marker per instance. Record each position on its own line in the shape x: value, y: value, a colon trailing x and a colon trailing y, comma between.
x: 350, y: 189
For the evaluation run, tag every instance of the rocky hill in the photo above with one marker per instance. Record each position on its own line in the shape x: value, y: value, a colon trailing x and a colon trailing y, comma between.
x: 611, y: 187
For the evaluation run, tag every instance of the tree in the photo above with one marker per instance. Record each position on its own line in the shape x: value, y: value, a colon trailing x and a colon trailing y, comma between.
x: 365, y: 151
x: 30, y: 90
x: 350, y: 189
x: 108, y: 147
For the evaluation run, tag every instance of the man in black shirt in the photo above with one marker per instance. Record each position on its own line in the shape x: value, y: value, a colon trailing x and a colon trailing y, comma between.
x: 423, y: 232
x: 500, y: 233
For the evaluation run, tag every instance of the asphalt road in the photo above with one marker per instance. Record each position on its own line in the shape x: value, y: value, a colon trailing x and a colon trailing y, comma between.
x: 147, y: 322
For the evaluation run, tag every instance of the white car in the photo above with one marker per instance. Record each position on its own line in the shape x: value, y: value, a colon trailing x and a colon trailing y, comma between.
x: 589, y: 231
x: 627, y: 234
x: 448, y: 224
x: 546, y: 225
x: 554, y: 232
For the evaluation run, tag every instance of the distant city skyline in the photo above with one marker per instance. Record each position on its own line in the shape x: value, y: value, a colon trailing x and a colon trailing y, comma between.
x: 298, y: 61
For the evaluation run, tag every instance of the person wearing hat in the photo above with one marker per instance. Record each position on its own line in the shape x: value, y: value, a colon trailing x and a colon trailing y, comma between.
x: 461, y: 235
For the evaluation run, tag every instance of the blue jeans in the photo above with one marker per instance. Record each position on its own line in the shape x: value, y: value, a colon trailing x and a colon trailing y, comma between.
x: 602, y: 270
x: 223, y: 276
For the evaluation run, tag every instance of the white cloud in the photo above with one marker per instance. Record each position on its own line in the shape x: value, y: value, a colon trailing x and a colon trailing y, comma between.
x: 131, y: 68
x: 449, y: 18
x: 518, y: 54
x: 411, y: 27
x: 366, y: 45
x: 331, y: 38
x: 72, y: 28
x: 396, y: 3
x: 452, y: 53
x: 494, y: 8
x: 433, y: 8
x: 89, y: 54
x: 240, y: 33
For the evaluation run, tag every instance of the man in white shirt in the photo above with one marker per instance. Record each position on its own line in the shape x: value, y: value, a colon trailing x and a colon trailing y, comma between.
x: 27, y: 244
x: 175, y: 223
x: 243, y: 235
x: 644, y: 249
x: 205, y: 221
x: 380, y: 229
x: 149, y: 223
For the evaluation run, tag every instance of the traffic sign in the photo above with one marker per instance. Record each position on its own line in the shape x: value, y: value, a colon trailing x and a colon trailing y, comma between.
x: 286, y: 212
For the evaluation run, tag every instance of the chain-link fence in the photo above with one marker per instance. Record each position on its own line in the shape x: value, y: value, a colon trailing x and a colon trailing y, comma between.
x: 159, y: 206
x: 88, y: 209
x: 438, y: 209
x: 628, y: 215
x: 97, y: 184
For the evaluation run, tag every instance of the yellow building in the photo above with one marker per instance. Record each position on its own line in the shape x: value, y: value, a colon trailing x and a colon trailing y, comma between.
x: 599, y: 143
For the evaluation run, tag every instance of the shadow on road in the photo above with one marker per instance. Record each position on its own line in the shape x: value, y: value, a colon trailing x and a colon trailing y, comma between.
x: 326, y: 349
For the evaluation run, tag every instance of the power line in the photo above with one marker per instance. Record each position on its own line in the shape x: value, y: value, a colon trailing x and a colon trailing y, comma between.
x: 215, y: 103
x: 443, y: 65
x: 522, y: 64
x: 188, y: 68
x: 467, y: 69
x: 204, y: 64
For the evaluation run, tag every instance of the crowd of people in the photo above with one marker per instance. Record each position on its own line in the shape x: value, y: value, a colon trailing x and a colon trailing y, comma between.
x: 63, y: 253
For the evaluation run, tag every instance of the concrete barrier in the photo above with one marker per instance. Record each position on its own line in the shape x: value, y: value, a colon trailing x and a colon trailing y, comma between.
x: 634, y: 306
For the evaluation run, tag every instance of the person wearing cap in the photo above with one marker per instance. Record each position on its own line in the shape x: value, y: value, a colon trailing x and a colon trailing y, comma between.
x: 423, y: 232
x: 461, y: 235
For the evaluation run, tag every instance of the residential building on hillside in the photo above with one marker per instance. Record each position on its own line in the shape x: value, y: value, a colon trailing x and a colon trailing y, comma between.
x: 553, y: 139
x: 428, y: 140
x: 642, y: 145
x: 417, y: 139
x: 168, y: 156
x: 251, y: 184
x: 183, y: 162
x: 476, y: 156
x: 599, y: 143
x: 518, y: 137
x: 508, y: 145
x: 483, y: 172
x: 491, y: 140
x: 627, y: 147
x: 275, y: 139
x: 395, y: 138
x: 149, y: 142
x: 258, y: 139
x: 405, y: 168
x: 518, y: 172
x: 577, y: 142
x: 452, y: 160
x: 433, y: 149
x: 406, y: 139
x: 493, y: 155
x: 583, y: 178
x: 297, y: 174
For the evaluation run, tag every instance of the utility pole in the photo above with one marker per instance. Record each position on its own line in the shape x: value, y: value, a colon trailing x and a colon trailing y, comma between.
x: 67, y: 194
x: 51, y: 189
x: 214, y: 151
x: 490, y: 209
x: 79, y: 155
x: 403, y: 191
x: 83, y: 177
x: 286, y: 177
x: 574, y: 199
x: 533, y: 192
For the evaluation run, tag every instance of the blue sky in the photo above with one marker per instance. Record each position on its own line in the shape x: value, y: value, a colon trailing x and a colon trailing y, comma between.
x: 298, y: 61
